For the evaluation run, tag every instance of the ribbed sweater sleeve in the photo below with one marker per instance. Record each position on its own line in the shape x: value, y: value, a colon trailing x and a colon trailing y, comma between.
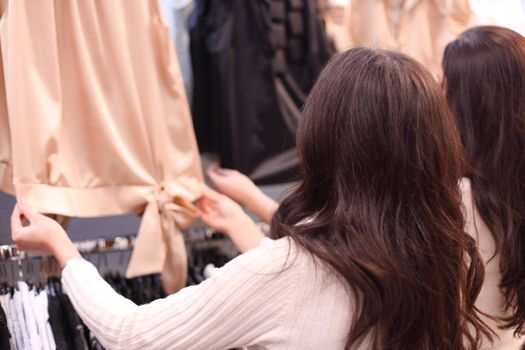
x: 244, y: 303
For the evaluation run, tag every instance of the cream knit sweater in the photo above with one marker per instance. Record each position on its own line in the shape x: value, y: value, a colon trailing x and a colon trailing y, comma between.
x: 263, y: 299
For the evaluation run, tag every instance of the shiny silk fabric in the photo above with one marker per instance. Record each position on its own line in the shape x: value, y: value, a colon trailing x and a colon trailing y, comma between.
x: 419, y: 28
x: 95, y: 121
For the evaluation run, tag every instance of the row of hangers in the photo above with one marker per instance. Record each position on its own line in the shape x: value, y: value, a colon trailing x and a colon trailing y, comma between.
x: 39, y: 268
x: 119, y: 243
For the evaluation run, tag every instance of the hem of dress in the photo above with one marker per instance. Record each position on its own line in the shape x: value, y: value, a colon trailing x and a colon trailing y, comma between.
x: 102, y: 201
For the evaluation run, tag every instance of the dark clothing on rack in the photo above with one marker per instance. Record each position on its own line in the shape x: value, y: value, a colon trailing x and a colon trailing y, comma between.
x: 254, y: 62
x: 57, y: 321
x: 75, y: 327
x: 141, y: 290
x: 5, y: 336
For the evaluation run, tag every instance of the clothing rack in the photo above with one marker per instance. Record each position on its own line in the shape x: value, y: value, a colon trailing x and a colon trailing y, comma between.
x: 193, y: 235
x: 10, y: 252
x: 33, y: 298
x: 206, y: 233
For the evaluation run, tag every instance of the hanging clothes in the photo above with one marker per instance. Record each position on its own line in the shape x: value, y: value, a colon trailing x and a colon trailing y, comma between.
x: 50, y: 320
x: 76, y: 332
x: 19, y: 318
x: 58, y: 323
x: 9, y: 333
x: 419, y: 28
x: 44, y: 316
x: 6, y: 166
x: 17, y: 327
x: 29, y: 318
x: 5, y: 334
x: 23, y: 314
x: 98, y: 122
x: 254, y: 62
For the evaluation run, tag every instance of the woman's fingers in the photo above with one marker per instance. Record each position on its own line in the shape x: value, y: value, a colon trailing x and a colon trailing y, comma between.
x: 213, y: 167
x: 209, y: 200
x: 203, y: 206
x: 211, y: 194
x: 213, y: 174
x: 218, y: 174
x: 29, y: 213
x: 207, y: 214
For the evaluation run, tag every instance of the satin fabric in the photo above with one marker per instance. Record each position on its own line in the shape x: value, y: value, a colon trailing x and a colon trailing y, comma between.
x: 94, y: 120
x: 419, y: 28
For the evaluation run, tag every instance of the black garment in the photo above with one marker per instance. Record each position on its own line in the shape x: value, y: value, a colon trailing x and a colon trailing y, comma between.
x: 58, y: 323
x: 5, y: 336
x: 75, y: 328
x: 141, y: 290
x: 253, y: 62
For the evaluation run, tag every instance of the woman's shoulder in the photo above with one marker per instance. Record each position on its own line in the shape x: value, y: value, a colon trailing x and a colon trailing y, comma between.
x: 271, y: 256
x: 285, y: 262
x: 281, y: 243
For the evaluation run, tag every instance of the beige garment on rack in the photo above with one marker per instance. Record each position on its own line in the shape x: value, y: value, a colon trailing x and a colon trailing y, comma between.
x: 419, y: 28
x: 95, y: 121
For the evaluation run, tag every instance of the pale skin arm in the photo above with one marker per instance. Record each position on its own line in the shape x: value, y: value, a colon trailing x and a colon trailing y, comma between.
x: 262, y: 206
x: 241, y: 189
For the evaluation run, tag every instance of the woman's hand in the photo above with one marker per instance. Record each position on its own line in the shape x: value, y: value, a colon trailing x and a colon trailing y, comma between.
x: 32, y: 231
x: 232, y: 183
x: 224, y: 215
x: 219, y: 212
x: 241, y: 189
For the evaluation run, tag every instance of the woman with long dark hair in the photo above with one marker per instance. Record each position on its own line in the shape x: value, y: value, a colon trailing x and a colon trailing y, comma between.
x: 368, y: 251
x: 484, y: 77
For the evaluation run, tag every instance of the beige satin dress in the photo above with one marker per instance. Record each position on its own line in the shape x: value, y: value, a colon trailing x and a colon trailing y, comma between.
x: 419, y: 28
x: 94, y: 120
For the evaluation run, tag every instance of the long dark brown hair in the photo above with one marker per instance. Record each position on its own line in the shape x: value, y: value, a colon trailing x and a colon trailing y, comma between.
x: 379, y: 202
x: 484, y: 72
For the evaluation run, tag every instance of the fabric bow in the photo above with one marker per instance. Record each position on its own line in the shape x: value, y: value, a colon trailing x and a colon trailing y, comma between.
x: 159, y: 246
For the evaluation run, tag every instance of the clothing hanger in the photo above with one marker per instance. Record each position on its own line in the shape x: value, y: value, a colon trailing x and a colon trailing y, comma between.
x: 17, y: 255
